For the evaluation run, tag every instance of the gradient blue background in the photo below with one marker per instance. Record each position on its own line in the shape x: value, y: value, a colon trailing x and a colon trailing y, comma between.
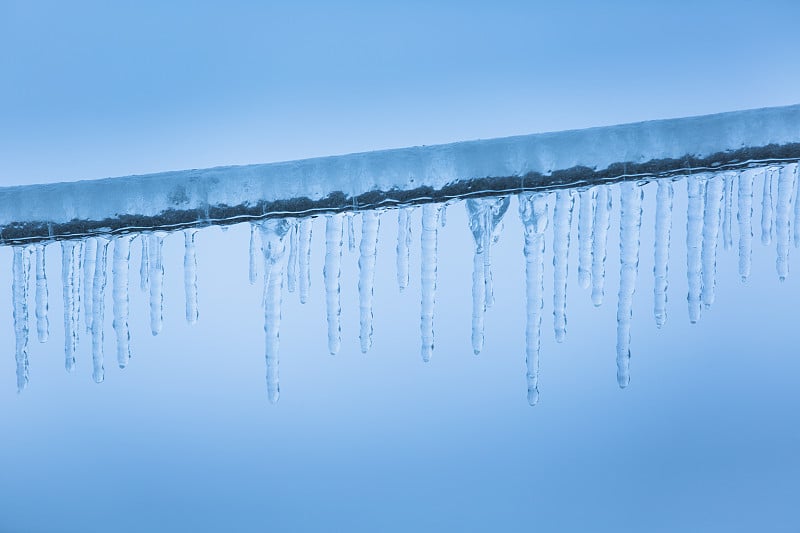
x: 705, y: 438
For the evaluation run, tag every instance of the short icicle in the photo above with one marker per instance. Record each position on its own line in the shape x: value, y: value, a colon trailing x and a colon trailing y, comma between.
x: 745, y: 219
x: 403, y: 246
x: 294, y: 244
x: 786, y: 185
x: 19, y: 291
x: 273, y: 247
x: 796, y: 224
x: 727, y: 220
x: 630, y: 228
x: 68, y: 296
x: 602, y: 223
x: 332, y: 272
x: 304, y: 251
x: 766, y: 208
x: 711, y: 223
x: 98, y: 309
x: 89, y: 260
x: 370, y: 224
x: 42, y: 321
x: 144, y: 268
x: 562, y: 223
x: 351, y: 233
x: 694, y: 244
x: 253, y: 265
x: 585, y: 220
x: 664, y: 197
x: 156, y: 275
x: 120, y: 274
x: 533, y: 212
x: 428, y: 271
x: 190, y: 275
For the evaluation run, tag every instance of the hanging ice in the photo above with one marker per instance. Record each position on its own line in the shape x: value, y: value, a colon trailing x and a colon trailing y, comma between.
x: 745, y: 218
x: 711, y: 220
x: 661, y: 261
x: 19, y: 290
x: 120, y: 273
x: 305, y: 258
x: 796, y: 225
x: 429, y: 264
x: 602, y: 223
x: 69, y: 251
x: 98, y: 308
x: 403, y: 245
x: 294, y: 244
x: 630, y: 228
x: 585, y: 220
x: 727, y: 220
x: 766, y: 208
x: 190, y: 276
x: 332, y: 272
x: 562, y: 223
x: 89, y: 260
x: 351, y: 233
x: 533, y: 212
x: 253, y: 265
x: 144, y: 269
x: 42, y: 322
x: 273, y: 247
x: 370, y: 224
x: 786, y: 185
x: 694, y: 243
x: 156, y: 276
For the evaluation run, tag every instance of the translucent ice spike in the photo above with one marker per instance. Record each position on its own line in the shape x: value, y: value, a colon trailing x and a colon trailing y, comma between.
x: 562, y: 222
x: 796, y: 173
x: 403, y: 246
x: 273, y: 247
x: 533, y: 212
x: 766, y: 208
x: 253, y: 265
x: 711, y: 222
x: 144, y: 269
x: 190, y: 276
x: 120, y: 274
x: 602, y: 221
x: 351, y: 233
x: 68, y: 293
x: 727, y: 224
x: 745, y: 218
x: 156, y: 247
x: 77, y: 289
x: 782, y: 229
x: 291, y: 269
x: 305, y: 258
x: 19, y: 290
x: 332, y: 272
x: 98, y: 308
x: 694, y: 243
x: 630, y: 229
x: 585, y: 219
x: 429, y: 263
x: 42, y: 322
x: 664, y: 198
x: 370, y: 223
x: 89, y: 259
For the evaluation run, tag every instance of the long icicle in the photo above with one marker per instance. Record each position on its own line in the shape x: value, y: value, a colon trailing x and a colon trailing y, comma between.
x: 89, y: 260
x: 252, y: 264
x: 190, y: 275
x: 42, y: 321
x: 19, y: 291
x: 797, y: 206
x: 156, y: 247
x: 332, y: 272
x: 664, y: 197
x: 602, y: 223
x: 630, y: 228
x: 403, y: 246
x: 273, y: 247
x: 304, y: 260
x: 68, y: 295
x: 745, y: 218
x: 766, y: 208
x: 585, y: 220
x: 533, y: 212
x: 562, y: 222
x: 711, y: 223
x: 370, y: 224
x: 120, y: 273
x: 144, y: 269
x: 98, y: 308
x: 782, y: 223
x: 694, y: 243
x: 77, y: 289
x: 727, y: 224
x: 429, y: 265
x: 292, y: 267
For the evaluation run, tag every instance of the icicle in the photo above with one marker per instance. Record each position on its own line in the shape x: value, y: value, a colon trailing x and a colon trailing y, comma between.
x: 745, y: 217
x: 562, y: 223
x: 68, y: 294
x: 429, y: 264
x: 443, y: 215
x: 727, y: 226
x: 294, y: 244
x: 144, y: 269
x: 77, y: 288
x: 305, y: 258
x: 585, y: 219
x: 766, y: 208
x: 273, y: 247
x: 533, y: 212
x: 403, y: 246
x: 19, y: 291
x: 630, y: 229
x: 694, y: 243
x: 98, y: 308
x: 332, y: 272
x: 796, y: 224
x: 602, y: 223
x: 785, y: 189
x: 253, y: 270
x: 711, y: 220
x: 156, y: 247
x: 370, y: 223
x: 351, y: 233
x: 663, y: 227
x: 42, y: 322
x: 89, y: 259
x: 120, y: 273
x: 190, y: 276
x: 478, y: 302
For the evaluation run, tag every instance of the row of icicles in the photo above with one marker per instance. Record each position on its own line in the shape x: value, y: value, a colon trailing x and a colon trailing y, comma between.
x: 285, y: 246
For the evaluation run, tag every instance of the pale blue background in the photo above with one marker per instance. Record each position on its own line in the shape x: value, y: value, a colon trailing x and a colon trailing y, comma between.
x: 705, y: 438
